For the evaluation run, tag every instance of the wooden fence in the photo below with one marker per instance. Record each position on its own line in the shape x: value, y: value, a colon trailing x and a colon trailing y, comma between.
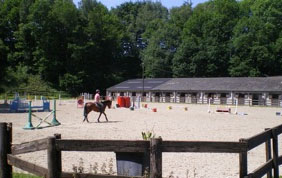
x: 55, y: 145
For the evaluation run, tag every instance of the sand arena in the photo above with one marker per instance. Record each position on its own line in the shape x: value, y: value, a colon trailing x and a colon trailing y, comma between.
x: 196, y: 124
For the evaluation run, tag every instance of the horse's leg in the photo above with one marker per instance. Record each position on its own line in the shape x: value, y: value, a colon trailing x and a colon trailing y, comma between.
x: 85, y: 113
x: 99, y: 117
x: 85, y: 118
x: 105, y: 116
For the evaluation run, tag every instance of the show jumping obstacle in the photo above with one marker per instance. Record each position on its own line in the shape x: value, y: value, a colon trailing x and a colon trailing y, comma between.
x: 29, y: 125
x: 228, y: 110
x: 80, y: 102
x: 19, y: 105
x: 154, y: 109
x: 223, y: 109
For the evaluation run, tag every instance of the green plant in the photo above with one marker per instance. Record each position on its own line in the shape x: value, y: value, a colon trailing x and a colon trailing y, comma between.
x: 21, y: 175
x: 148, y: 135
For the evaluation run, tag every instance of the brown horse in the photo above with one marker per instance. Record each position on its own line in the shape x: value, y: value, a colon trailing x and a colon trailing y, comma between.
x: 88, y: 107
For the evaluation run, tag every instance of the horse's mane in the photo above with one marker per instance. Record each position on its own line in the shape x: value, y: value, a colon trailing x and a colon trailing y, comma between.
x: 106, y: 101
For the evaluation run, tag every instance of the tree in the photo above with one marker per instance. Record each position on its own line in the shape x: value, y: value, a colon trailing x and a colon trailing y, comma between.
x: 9, y: 19
x: 136, y: 18
x: 256, y: 37
x: 162, y: 44
x: 100, y: 47
x: 43, y: 39
x: 205, y: 49
x: 180, y: 15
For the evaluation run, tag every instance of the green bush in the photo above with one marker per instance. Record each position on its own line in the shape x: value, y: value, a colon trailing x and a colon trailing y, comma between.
x: 20, y: 81
x: 21, y: 175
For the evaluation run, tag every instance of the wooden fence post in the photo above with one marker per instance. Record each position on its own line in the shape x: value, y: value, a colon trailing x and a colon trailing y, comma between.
x: 5, y: 149
x: 243, y: 161
x: 156, y: 158
x: 54, y: 159
x: 275, y: 153
x: 268, y: 154
x: 58, y: 136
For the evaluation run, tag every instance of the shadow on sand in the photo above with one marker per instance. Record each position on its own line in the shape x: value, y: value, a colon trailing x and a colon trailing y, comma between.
x: 102, y: 122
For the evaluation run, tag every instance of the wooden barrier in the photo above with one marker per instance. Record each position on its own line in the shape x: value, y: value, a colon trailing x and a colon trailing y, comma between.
x: 271, y: 163
x: 55, y: 145
x: 5, y: 149
x: 26, y: 166
x: 36, y: 145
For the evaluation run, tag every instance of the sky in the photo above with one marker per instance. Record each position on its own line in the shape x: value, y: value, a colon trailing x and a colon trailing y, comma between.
x: 167, y: 3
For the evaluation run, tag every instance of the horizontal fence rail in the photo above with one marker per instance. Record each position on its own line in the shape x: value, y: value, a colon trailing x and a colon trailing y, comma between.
x: 36, y: 145
x: 258, y: 139
x: 278, y: 129
x: 262, y: 170
x: 203, y: 146
x: 155, y: 147
x: 26, y: 166
x: 142, y: 146
x: 103, y: 145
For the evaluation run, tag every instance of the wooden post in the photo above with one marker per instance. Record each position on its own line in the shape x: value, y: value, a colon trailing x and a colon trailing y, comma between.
x: 58, y: 136
x: 54, y: 159
x: 268, y: 154
x: 5, y: 149
x: 275, y: 153
x: 243, y: 162
x: 155, y: 158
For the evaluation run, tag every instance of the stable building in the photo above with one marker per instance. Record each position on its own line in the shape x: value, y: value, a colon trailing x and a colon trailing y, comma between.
x: 265, y: 91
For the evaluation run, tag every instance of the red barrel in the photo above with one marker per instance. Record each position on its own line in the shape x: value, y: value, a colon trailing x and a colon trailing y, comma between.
x: 121, y: 101
x: 127, y: 102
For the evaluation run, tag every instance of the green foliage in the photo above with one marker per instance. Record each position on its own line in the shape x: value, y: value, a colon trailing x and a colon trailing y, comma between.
x: 55, y: 46
x: 205, y: 49
x: 255, y: 37
x: 20, y: 80
x: 70, y: 82
x: 21, y: 175
x: 180, y: 15
x: 157, y: 57
x: 147, y: 135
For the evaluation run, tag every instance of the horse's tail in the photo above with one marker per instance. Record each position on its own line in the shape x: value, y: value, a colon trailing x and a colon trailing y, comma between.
x: 85, y: 110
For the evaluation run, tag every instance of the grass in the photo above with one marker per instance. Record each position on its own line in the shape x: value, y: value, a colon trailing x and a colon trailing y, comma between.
x: 21, y: 175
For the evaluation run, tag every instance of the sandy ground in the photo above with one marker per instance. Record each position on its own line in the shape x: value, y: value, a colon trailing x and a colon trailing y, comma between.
x: 196, y: 124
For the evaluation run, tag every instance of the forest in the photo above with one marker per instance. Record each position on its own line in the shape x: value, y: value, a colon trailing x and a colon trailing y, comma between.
x: 54, y: 45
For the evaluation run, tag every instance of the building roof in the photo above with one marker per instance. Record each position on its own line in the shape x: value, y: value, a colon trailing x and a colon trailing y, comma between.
x: 220, y: 84
x: 137, y: 84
